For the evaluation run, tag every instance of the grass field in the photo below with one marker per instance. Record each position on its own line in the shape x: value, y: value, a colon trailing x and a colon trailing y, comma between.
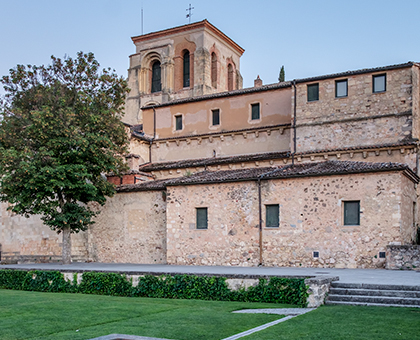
x: 34, y: 315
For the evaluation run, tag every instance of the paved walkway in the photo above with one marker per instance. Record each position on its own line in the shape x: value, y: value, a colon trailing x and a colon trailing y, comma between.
x: 373, y: 276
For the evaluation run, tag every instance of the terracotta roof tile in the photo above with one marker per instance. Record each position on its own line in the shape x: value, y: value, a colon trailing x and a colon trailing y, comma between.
x: 191, y: 163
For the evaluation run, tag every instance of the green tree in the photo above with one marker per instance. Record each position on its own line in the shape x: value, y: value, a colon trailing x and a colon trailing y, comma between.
x: 282, y: 74
x: 60, y: 132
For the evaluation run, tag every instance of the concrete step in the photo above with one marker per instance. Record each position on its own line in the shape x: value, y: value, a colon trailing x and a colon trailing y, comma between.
x: 338, y: 284
x: 375, y: 299
x: 352, y: 303
x: 375, y: 292
x: 373, y: 295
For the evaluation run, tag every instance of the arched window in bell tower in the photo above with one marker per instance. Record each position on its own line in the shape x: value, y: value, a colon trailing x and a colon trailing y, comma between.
x: 230, y: 77
x: 156, y: 77
x: 186, y: 73
x: 213, y: 70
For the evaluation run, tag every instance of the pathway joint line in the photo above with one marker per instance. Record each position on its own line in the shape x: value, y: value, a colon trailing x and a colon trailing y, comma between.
x: 259, y: 328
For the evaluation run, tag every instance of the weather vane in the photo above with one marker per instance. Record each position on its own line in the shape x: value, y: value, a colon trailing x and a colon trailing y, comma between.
x: 189, y: 12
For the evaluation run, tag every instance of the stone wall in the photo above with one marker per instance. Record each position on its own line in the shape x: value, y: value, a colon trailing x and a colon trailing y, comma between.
x: 311, y: 220
x: 131, y: 228
x: 26, y: 239
x: 361, y: 118
x: 354, y: 132
x: 403, y: 257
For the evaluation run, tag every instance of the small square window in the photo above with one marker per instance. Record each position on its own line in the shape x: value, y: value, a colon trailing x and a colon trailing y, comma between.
x: 215, y: 116
x: 313, y: 92
x: 341, y: 88
x: 201, y: 218
x: 382, y: 255
x: 255, y: 111
x: 379, y: 83
x: 316, y: 253
x: 352, y: 213
x: 178, y: 122
x: 272, y: 216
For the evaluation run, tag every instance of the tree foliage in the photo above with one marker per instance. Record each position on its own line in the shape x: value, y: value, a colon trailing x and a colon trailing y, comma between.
x: 60, y: 131
x: 282, y: 74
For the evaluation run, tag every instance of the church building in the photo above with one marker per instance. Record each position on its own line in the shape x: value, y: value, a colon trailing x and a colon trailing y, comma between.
x: 313, y: 172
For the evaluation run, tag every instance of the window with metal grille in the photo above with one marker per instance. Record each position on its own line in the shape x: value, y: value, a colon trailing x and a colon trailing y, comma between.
x: 201, y: 218
x: 379, y: 83
x: 255, y: 111
x: 186, y: 82
x: 313, y: 92
x: 178, y: 122
x: 352, y: 213
x: 156, y: 77
x: 272, y: 215
x: 215, y: 116
x: 341, y: 88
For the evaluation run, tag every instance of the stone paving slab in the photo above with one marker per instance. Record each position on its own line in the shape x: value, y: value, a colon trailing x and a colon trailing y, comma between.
x: 279, y: 311
x: 369, y: 276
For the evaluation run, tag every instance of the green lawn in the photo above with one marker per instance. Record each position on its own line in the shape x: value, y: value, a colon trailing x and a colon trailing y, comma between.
x: 34, y: 315
x: 348, y: 322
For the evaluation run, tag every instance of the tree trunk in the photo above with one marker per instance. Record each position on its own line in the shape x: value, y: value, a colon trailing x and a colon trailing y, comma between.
x: 66, y: 246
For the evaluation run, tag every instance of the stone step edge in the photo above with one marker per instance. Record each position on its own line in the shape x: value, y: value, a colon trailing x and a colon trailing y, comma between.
x: 374, y: 286
x: 350, y: 303
x: 359, y: 297
x: 364, y: 290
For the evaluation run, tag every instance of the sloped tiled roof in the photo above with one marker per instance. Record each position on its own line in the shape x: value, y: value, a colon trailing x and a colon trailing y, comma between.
x: 291, y: 171
x: 192, y: 163
x: 327, y: 168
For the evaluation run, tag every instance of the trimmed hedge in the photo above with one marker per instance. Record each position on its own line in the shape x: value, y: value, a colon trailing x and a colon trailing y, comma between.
x: 275, y: 290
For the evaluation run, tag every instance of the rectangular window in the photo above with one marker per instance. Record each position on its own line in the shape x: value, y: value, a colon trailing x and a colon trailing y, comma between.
x: 272, y: 214
x: 201, y: 218
x: 352, y: 213
x: 341, y: 88
x: 379, y: 83
x: 178, y: 122
x: 313, y: 92
x: 215, y: 116
x: 255, y: 111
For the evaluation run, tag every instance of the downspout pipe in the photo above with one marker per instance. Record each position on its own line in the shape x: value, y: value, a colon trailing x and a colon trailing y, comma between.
x: 154, y: 135
x: 294, y: 121
x: 260, y: 223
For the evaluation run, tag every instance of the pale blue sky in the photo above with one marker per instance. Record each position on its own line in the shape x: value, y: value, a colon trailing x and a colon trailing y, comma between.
x: 309, y: 37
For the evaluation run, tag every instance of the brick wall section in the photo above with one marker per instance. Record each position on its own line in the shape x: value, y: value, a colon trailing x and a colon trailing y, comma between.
x: 409, y: 208
x: 131, y: 228
x: 311, y: 212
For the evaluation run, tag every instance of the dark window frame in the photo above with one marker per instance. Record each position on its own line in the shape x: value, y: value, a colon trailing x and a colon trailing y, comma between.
x: 199, y: 216
x: 346, y: 81
x: 269, y: 208
x: 373, y: 82
x: 347, y: 220
x: 215, y: 113
x: 256, y: 105
x: 310, y: 99
x: 156, y: 77
x: 186, y: 69
x: 178, y: 123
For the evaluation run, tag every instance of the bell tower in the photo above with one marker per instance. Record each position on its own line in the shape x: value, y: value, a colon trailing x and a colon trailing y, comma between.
x: 181, y: 62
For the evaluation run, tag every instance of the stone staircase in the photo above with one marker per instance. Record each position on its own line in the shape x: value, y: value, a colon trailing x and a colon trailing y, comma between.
x: 373, y: 295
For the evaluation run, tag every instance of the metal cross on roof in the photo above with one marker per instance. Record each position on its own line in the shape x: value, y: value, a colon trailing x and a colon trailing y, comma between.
x: 189, y: 13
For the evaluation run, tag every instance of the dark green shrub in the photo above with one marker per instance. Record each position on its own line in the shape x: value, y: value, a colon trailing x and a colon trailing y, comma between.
x: 105, y: 284
x: 12, y: 279
x: 47, y: 281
